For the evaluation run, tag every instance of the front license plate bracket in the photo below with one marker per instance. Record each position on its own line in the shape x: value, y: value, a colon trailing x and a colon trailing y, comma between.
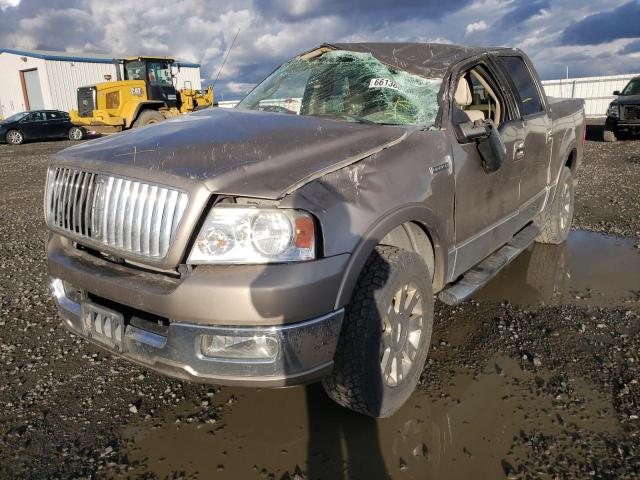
x: 103, y: 325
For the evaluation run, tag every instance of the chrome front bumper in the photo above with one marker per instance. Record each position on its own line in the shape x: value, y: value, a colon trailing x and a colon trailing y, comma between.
x: 305, y: 349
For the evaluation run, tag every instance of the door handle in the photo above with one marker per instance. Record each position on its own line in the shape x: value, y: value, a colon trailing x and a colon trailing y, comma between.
x: 519, y: 150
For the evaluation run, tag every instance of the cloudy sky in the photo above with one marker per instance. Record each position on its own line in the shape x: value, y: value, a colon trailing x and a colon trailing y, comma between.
x: 590, y: 37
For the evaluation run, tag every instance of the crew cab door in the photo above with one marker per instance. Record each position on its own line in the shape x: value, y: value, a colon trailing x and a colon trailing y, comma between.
x: 534, y: 154
x: 486, y: 203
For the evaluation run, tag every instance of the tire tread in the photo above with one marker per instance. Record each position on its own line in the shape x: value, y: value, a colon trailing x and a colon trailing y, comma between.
x: 349, y: 385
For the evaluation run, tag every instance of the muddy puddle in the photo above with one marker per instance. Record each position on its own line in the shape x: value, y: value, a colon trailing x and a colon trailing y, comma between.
x: 589, y: 269
x: 277, y: 433
x: 483, y: 416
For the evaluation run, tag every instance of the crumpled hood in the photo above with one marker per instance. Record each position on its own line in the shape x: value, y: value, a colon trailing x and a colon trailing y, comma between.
x: 238, y: 152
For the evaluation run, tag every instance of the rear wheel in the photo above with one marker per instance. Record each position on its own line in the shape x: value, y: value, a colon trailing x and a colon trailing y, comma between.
x: 386, y: 334
x: 558, y: 216
x: 14, y: 137
x: 147, y: 117
x: 76, y: 133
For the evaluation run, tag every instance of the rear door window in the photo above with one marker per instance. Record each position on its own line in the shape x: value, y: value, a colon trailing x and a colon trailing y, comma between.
x: 53, y: 115
x: 516, y: 69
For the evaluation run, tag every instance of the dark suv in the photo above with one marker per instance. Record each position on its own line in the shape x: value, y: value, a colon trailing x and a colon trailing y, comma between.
x: 39, y: 124
x: 623, y: 115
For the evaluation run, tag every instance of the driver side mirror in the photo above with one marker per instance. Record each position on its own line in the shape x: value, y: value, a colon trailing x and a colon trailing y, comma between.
x: 490, y: 146
x: 616, y: 92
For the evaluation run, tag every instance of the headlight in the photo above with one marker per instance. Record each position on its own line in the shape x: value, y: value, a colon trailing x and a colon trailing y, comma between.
x: 613, y: 111
x: 232, y: 234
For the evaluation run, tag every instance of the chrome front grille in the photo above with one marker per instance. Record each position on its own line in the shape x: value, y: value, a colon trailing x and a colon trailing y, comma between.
x: 631, y: 112
x: 126, y: 215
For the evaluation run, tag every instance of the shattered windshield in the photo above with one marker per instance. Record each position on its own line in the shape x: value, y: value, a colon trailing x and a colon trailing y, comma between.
x: 347, y: 86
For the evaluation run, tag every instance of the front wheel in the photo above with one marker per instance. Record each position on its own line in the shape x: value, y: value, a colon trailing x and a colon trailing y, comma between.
x: 147, y: 117
x: 14, y: 137
x: 609, y: 134
x: 76, y: 133
x: 386, y: 334
x: 557, y: 218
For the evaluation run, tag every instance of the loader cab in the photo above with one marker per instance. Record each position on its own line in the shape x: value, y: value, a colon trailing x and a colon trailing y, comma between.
x: 156, y: 73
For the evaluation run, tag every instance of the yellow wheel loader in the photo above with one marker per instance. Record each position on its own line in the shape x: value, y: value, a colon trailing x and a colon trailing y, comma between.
x: 146, y: 95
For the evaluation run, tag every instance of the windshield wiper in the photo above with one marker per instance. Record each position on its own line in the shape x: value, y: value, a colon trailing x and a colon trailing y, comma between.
x: 347, y: 117
x: 361, y: 120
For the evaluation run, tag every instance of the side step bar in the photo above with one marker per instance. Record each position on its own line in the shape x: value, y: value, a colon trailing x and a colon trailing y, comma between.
x: 480, y: 274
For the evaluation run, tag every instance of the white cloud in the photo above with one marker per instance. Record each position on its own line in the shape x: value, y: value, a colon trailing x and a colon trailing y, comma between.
x: 476, y: 27
x: 4, y: 4
x: 271, y: 31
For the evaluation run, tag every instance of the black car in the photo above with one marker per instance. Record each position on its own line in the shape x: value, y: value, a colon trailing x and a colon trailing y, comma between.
x: 623, y: 115
x: 39, y: 124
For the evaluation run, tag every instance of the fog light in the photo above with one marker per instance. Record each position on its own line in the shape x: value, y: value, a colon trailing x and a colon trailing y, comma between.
x: 249, y: 347
x: 72, y: 292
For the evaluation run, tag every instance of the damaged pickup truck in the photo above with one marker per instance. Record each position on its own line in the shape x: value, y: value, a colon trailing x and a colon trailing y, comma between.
x: 303, y: 235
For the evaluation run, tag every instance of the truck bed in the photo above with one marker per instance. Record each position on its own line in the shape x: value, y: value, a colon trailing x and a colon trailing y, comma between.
x: 564, y: 107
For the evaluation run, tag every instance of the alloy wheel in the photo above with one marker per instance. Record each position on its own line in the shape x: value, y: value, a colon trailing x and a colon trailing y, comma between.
x: 402, y: 331
x: 565, y: 205
x: 76, y: 133
x: 14, y: 137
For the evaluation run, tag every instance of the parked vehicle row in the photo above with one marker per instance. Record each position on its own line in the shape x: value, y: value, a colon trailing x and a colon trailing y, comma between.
x: 37, y: 125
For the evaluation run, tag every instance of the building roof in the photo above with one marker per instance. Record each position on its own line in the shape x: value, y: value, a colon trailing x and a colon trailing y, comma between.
x: 81, y: 57
x: 431, y: 60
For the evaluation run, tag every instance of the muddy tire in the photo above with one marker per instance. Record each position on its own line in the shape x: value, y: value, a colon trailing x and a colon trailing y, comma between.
x: 147, y: 117
x: 14, y: 137
x: 386, y: 334
x: 609, y: 135
x: 76, y: 133
x: 556, y: 219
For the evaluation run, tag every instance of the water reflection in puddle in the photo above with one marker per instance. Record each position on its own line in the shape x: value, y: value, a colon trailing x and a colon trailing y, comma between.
x: 590, y: 268
x: 278, y: 433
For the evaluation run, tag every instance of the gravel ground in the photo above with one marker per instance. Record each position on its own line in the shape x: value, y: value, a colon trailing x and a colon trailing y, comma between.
x: 607, y: 198
x: 65, y: 406
x: 563, y: 347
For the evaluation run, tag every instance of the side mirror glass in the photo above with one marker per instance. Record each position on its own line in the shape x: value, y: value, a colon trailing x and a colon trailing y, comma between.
x: 490, y: 146
x: 616, y: 92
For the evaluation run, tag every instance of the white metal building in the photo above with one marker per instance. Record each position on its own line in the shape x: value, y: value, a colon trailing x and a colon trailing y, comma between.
x: 35, y: 79
x: 597, y: 92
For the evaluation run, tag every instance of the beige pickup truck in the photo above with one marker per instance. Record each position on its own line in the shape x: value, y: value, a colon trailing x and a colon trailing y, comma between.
x: 303, y: 235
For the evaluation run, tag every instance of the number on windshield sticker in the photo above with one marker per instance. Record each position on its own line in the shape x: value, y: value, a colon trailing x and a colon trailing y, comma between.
x: 383, y: 83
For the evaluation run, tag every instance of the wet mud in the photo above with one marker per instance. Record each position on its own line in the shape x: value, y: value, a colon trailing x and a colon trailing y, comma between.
x: 589, y: 269
x: 278, y: 433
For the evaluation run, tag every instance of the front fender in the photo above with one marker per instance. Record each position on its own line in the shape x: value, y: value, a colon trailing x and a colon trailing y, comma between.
x: 417, y: 213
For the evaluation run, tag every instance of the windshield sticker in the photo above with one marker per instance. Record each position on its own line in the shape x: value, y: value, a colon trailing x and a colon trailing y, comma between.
x: 383, y: 83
